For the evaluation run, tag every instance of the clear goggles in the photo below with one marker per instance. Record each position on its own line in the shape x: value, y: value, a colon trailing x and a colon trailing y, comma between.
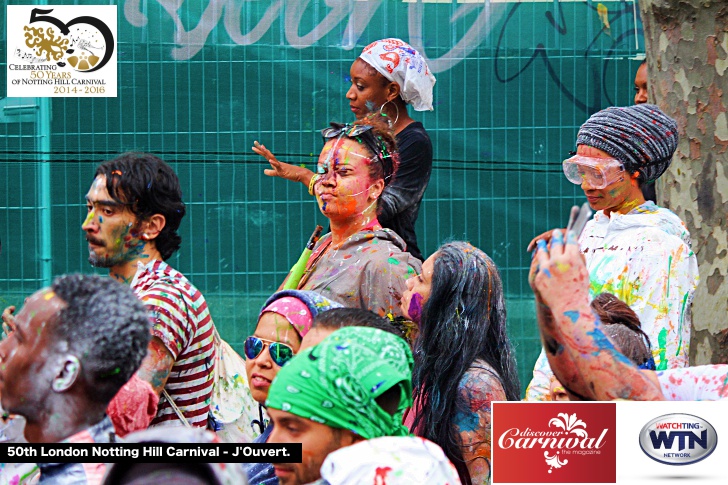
x: 597, y: 172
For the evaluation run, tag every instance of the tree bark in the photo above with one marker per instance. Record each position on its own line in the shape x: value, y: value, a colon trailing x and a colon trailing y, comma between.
x: 687, y: 62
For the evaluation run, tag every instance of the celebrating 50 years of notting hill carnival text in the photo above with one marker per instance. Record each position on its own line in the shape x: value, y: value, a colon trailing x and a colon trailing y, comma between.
x: 61, y: 51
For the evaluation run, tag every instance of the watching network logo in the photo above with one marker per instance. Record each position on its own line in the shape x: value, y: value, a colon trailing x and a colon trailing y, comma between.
x: 678, y: 439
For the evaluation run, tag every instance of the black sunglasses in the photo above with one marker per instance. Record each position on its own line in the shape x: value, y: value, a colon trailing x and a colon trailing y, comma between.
x: 280, y: 353
x: 362, y: 134
x: 350, y: 131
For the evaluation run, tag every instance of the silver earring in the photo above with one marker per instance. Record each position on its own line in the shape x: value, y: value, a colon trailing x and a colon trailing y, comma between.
x: 396, y: 118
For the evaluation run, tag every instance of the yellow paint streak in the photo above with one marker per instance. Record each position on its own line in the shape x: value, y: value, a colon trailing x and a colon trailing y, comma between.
x: 89, y: 217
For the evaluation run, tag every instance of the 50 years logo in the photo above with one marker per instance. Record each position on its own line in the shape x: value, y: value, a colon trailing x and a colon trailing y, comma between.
x: 52, y: 46
x: 66, y: 50
x: 678, y: 439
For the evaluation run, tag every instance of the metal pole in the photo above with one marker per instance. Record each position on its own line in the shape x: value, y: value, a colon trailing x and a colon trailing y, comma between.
x: 43, y: 149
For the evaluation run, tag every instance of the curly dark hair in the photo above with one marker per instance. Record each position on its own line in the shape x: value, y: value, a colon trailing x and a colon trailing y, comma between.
x: 148, y: 186
x: 463, y: 321
x: 105, y: 326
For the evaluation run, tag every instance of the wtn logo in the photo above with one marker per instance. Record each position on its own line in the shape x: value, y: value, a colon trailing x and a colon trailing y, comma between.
x: 664, y: 439
x: 678, y: 439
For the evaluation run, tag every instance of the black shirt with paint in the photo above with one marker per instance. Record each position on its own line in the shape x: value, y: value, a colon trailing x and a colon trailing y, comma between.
x: 399, y: 204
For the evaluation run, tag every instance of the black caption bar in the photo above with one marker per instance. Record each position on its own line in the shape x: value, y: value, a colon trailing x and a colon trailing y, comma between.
x: 150, y: 453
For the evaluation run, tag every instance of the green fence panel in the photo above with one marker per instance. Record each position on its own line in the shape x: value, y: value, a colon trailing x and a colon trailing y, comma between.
x: 199, y: 81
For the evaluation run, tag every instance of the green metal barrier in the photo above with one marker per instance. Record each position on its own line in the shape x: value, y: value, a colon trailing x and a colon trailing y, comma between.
x: 197, y: 85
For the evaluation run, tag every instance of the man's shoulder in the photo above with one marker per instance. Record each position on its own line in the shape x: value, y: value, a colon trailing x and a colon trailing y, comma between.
x: 159, y: 276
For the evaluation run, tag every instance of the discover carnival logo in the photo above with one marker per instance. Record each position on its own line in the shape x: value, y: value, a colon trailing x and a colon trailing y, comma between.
x: 61, y: 51
x: 571, y: 442
x: 678, y: 439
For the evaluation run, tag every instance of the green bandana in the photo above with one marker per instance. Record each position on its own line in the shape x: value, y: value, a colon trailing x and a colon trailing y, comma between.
x: 337, y: 381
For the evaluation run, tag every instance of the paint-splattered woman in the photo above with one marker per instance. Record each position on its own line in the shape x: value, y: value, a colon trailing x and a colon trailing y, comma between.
x: 358, y: 264
x: 634, y: 249
x: 285, y: 319
x: 388, y: 75
x: 463, y: 357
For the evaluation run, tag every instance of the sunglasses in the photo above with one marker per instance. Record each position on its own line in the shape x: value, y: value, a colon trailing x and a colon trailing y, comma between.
x: 350, y: 131
x: 279, y: 353
x: 362, y: 134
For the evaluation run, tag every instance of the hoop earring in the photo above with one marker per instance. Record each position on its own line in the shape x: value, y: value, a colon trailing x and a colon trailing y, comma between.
x: 396, y: 118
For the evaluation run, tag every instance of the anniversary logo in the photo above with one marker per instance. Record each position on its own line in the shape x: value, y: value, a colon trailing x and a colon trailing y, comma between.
x: 562, y: 443
x: 61, y: 51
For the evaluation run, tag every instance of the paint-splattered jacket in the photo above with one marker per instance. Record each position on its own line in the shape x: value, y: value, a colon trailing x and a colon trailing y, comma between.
x: 699, y: 383
x: 80, y: 473
x: 644, y: 258
x: 368, y: 270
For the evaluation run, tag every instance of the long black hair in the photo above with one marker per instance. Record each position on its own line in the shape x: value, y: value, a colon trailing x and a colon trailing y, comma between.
x: 463, y: 321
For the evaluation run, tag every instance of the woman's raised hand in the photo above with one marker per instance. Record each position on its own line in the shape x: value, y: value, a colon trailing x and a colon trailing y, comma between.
x: 280, y: 169
x: 8, y: 320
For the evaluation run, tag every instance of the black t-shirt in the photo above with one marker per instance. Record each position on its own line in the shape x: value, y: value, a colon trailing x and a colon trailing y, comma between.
x: 399, y: 204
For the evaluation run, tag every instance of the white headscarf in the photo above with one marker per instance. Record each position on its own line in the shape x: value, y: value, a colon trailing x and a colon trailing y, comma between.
x: 399, y: 62
x: 395, y: 460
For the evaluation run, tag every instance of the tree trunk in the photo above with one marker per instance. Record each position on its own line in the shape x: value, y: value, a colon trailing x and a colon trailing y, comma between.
x: 687, y: 59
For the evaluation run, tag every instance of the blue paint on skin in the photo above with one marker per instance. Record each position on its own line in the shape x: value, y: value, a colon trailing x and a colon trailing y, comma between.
x: 467, y: 421
x: 541, y: 246
x: 573, y: 315
x: 603, y: 343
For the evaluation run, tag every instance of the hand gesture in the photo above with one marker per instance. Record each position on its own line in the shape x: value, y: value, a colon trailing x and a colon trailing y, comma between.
x: 8, y: 320
x: 561, y: 279
x: 281, y: 169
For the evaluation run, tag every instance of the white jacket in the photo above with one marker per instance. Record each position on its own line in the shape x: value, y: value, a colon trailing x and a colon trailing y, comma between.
x: 644, y: 258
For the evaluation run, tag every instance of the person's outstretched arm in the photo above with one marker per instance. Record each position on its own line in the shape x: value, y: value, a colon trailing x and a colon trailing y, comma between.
x: 580, y: 354
x: 294, y: 173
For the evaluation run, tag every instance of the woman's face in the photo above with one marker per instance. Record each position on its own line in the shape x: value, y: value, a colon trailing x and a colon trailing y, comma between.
x: 418, y: 291
x: 369, y: 89
x: 640, y: 85
x: 620, y: 196
x: 261, y: 370
x: 345, y: 189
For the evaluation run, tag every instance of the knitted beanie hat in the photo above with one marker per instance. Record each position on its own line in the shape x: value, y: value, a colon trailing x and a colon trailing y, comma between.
x: 642, y: 137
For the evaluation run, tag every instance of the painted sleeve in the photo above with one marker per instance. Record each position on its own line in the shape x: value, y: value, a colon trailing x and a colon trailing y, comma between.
x: 472, y: 421
x: 538, y: 388
x: 663, y: 279
x: 167, y: 311
x: 699, y: 383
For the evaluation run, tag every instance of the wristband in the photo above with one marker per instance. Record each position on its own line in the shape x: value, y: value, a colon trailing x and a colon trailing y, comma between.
x: 311, y: 183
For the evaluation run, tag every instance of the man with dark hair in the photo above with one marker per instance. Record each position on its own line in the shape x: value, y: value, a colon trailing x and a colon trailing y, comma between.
x: 326, y: 323
x: 353, y: 386
x: 71, y: 348
x: 134, y: 210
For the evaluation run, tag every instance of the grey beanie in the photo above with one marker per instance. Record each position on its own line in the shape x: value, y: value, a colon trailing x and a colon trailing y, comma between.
x: 642, y: 137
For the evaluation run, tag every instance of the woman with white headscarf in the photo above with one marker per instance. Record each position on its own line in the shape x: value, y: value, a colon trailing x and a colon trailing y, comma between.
x: 387, y: 76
